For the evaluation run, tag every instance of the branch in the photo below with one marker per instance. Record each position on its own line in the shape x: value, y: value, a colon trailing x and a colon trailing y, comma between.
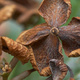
x: 23, y: 75
x: 13, y: 62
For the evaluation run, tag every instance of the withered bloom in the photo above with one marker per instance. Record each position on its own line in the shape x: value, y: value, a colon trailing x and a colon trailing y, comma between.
x: 5, y: 68
x: 6, y: 12
x: 23, y: 9
x: 42, y: 42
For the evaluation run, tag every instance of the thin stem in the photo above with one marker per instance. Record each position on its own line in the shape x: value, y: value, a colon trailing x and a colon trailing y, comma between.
x: 5, y: 76
x: 23, y: 75
x: 13, y: 62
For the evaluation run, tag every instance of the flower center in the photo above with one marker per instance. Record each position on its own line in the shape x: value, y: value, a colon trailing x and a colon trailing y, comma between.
x: 54, y: 30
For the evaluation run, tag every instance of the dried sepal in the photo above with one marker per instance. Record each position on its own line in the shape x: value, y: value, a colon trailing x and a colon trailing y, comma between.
x: 70, y: 36
x: 17, y: 50
x: 44, y: 50
x: 58, y: 69
x: 63, y: 68
x: 75, y: 53
x: 55, y: 12
x: 34, y: 34
x: 6, y: 12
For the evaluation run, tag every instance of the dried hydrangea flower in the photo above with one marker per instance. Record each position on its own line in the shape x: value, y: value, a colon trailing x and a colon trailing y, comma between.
x: 43, y: 41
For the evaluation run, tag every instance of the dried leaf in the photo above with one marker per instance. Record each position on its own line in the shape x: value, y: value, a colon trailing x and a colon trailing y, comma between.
x: 75, y: 53
x: 6, y: 12
x: 34, y: 34
x: 70, y: 36
x: 17, y: 50
x: 55, y: 12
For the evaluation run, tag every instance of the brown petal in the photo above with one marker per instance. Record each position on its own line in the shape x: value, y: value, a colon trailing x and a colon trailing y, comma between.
x: 30, y: 36
x: 59, y: 70
x: 56, y: 66
x: 70, y: 36
x: 55, y: 12
x: 6, y: 12
x: 44, y: 50
x: 75, y: 53
x: 17, y: 50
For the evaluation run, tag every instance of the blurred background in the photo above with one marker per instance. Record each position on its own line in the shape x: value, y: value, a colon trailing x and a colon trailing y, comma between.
x: 12, y: 28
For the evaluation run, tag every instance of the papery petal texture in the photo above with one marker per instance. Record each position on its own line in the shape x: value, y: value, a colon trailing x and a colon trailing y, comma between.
x: 45, y: 49
x: 32, y: 35
x: 70, y: 36
x: 55, y: 12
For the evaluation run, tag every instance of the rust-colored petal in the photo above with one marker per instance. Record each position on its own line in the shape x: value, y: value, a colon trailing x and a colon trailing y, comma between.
x: 45, y: 49
x: 75, y: 53
x: 70, y: 36
x: 6, y: 12
x: 58, y: 69
x: 32, y: 35
x: 17, y: 50
x: 55, y: 12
